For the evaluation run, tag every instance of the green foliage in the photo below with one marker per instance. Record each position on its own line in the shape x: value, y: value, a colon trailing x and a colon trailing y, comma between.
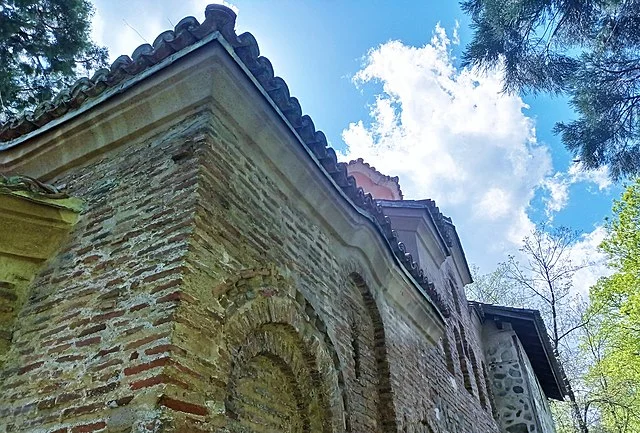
x: 588, y: 50
x: 562, y: 417
x: 615, y: 306
x: 44, y: 45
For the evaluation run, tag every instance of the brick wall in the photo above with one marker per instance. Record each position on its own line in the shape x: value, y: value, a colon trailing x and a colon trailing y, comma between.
x: 196, y: 294
x: 247, y: 222
x: 100, y: 313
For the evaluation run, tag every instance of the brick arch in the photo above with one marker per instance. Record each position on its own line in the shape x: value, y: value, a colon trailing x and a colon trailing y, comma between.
x: 276, y: 350
x: 280, y: 365
x: 386, y: 410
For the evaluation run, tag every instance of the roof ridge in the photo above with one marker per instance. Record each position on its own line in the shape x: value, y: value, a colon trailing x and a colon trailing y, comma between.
x: 442, y: 221
x: 187, y: 32
x: 366, y: 164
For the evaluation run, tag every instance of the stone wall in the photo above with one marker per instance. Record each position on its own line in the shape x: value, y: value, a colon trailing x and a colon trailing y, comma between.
x: 197, y: 294
x: 521, y: 404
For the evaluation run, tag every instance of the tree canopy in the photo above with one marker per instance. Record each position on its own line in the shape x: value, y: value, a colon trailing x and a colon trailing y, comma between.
x: 44, y: 46
x: 615, y: 303
x: 587, y: 50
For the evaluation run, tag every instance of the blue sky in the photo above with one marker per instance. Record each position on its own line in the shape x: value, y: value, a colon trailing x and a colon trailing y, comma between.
x: 383, y: 81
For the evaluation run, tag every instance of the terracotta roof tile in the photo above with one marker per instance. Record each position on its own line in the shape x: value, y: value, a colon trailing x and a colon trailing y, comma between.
x: 395, y: 180
x: 186, y: 32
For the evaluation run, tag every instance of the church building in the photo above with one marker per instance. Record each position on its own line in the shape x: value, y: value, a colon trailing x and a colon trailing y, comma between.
x: 181, y: 251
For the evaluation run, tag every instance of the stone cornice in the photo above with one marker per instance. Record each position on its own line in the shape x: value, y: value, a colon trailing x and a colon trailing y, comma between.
x: 31, y: 189
x: 34, y: 221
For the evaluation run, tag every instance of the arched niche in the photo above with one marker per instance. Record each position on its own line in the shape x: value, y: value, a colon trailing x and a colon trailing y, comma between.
x: 386, y: 413
x: 279, y: 366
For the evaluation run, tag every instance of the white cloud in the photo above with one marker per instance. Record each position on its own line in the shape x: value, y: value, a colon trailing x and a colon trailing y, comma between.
x: 558, y: 188
x: 558, y: 185
x: 452, y: 135
x: 98, y: 28
x: 493, y: 204
x: 600, y: 176
x: 586, y: 251
x: 455, y: 38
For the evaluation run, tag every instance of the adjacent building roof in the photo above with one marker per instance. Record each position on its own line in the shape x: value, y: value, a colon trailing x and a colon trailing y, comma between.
x: 443, y: 223
x: 387, y: 186
x: 219, y: 24
x: 447, y: 233
x: 532, y: 333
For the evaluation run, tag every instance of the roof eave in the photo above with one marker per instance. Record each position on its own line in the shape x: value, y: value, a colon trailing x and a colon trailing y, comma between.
x: 243, y: 50
x: 112, y: 92
x: 512, y: 313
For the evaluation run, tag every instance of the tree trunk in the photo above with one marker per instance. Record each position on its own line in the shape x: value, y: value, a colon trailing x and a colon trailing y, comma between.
x: 577, y: 414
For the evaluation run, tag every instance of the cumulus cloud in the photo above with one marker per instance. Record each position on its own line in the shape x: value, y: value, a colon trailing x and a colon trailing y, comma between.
x: 453, y: 136
x: 455, y: 38
x: 600, y: 177
x: 558, y: 185
x: 558, y: 189
x: 586, y: 251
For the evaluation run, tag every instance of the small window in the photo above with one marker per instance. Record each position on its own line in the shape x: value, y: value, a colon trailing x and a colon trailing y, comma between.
x: 489, y: 390
x: 463, y: 361
x: 355, y: 345
x: 476, y: 375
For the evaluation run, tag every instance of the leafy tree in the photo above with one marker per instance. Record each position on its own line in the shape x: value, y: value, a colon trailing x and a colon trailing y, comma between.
x: 44, y: 45
x: 598, y: 343
x: 615, y: 301
x: 612, y: 400
x: 588, y: 50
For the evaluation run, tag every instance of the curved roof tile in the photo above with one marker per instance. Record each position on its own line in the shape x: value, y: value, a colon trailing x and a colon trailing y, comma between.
x: 393, y: 179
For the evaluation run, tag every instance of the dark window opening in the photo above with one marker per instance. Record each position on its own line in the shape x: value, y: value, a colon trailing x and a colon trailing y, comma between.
x: 355, y: 345
x: 448, y: 355
x: 463, y: 361
x: 489, y: 390
x: 456, y: 298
